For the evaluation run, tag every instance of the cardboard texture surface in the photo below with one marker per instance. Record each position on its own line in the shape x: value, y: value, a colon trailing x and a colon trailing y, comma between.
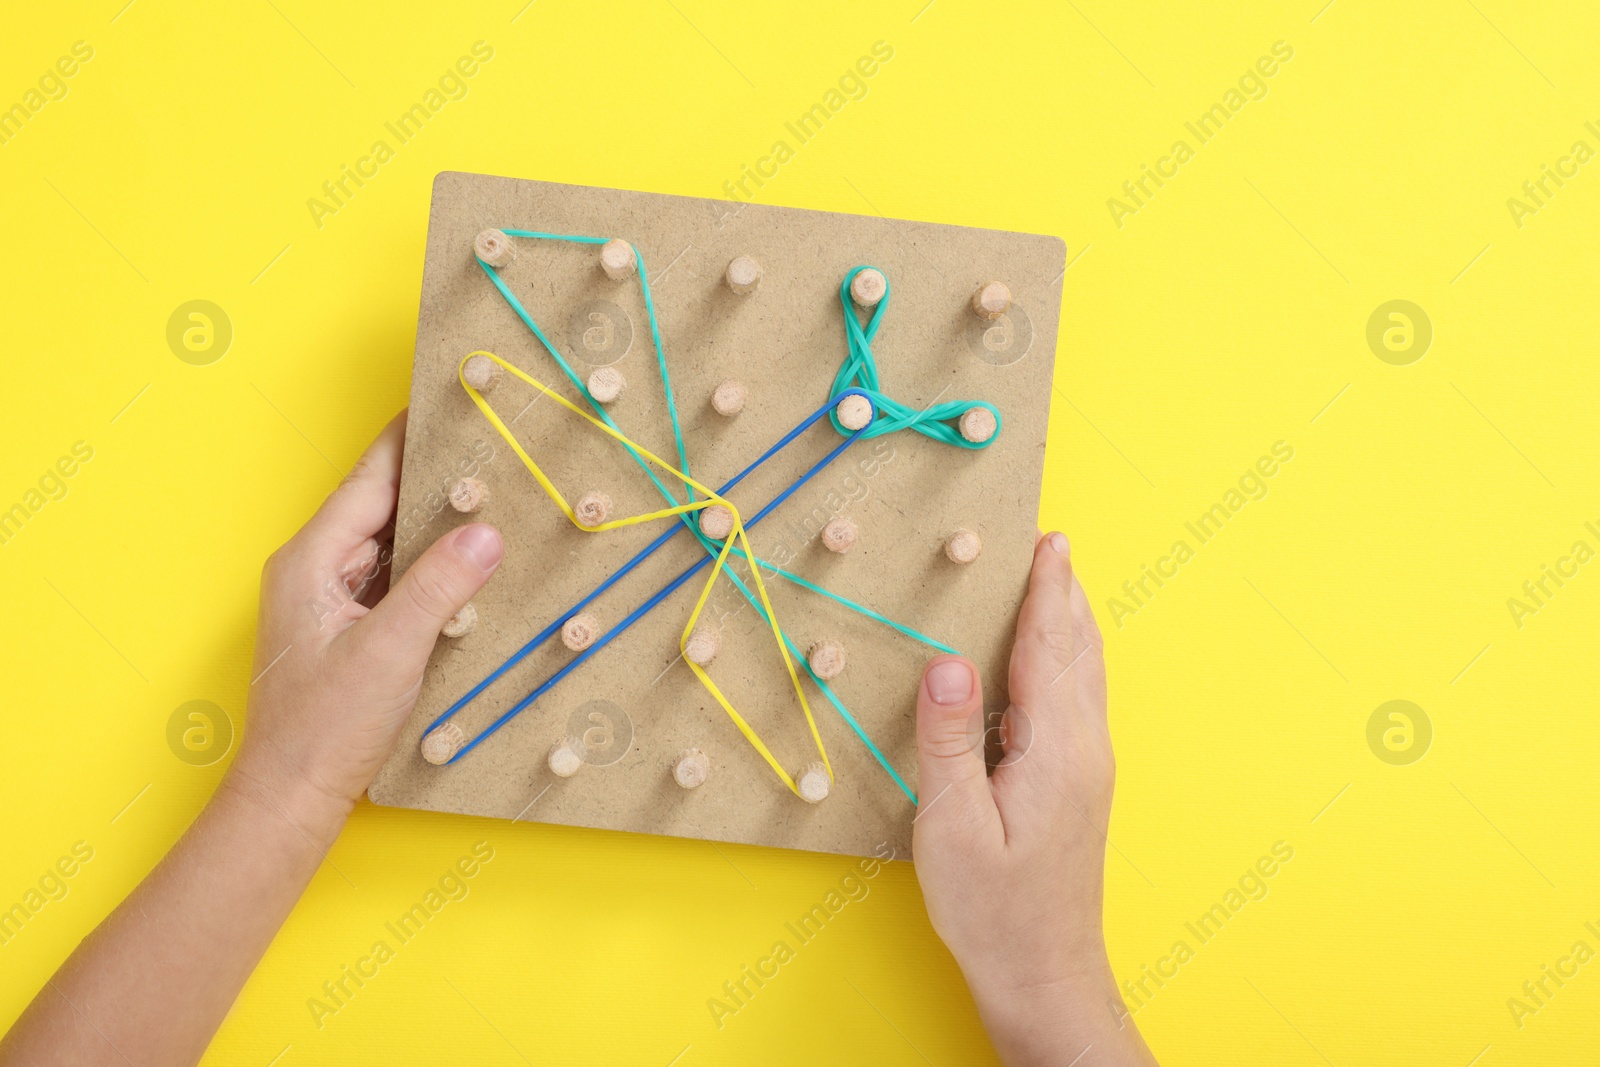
x: 637, y: 703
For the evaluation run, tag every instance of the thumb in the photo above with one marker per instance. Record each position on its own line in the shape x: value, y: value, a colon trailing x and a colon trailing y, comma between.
x: 406, y: 622
x: 952, y: 781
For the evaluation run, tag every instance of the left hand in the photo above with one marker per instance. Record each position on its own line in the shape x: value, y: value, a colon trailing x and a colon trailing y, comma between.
x: 339, y: 655
x: 339, y: 664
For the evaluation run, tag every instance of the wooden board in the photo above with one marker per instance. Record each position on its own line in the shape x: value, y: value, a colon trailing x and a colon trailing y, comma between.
x: 785, y: 342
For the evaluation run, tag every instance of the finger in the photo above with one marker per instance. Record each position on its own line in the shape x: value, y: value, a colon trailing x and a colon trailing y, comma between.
x: 366, y: 569
x: 401, y: 629
x: 362, y: 505
x: 952, y: 783
x: 345, y: 593
x: 1040, y: 730
x: 1044, y: 649
x: 1058, y: 762
x: 1089, y: 672
x: 378, y: 587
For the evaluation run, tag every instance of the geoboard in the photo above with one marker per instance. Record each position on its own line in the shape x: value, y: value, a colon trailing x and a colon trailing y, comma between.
x: 641, y: 391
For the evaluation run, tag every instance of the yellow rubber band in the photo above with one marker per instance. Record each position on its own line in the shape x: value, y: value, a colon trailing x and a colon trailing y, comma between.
x: 711, y: 498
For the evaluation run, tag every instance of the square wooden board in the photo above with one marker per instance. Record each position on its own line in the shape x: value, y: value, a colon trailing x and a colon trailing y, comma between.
x: 785, y: 342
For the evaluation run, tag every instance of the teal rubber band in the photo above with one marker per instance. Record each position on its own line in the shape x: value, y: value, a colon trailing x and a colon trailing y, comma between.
x: 827, y: 690
x: 566, y: 368
x: 852, y: 605
x: 655, y: 337
x: 859, y: 370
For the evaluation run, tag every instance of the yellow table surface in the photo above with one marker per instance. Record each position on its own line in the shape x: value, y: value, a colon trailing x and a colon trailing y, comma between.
x: 1206, y: 320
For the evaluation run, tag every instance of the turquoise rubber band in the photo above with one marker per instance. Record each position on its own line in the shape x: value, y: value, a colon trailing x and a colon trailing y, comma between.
x: 859, y: 370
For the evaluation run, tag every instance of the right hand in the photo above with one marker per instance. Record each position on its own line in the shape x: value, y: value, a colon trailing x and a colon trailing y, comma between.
x: 1012, y: 866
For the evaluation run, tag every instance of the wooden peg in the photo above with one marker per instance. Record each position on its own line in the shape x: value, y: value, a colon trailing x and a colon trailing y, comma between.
x: 468, y: 495
x: 703, y: 645
x: 743, y: 275
x: 482, y: 373
x: 692, y: 769
x: 826, y: 659
x: 461, y: 623
x: 814, y: 783
x: 593, y: 508
x: 728, y: 399
x: 854, y: 412
x: 716, y: 522
x: 616, y: 259
x: 494, y: 248
x: 991, y: 300
x: 977, y: 425
x: 963, y: 546
x: 442, y: 743
x: 868, y: 287
x: 606, y: 384
x: 839, y: 535
x: 566, y: 756
x: 579, y: 632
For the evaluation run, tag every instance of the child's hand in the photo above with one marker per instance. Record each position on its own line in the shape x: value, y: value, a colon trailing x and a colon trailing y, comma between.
x: 339, y: 655
x: 1012, y: 867
x: 339, y: 662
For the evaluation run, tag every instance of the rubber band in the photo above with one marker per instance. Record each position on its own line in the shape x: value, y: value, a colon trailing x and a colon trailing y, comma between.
x: 861, y: 609
x: 860, y: 370
x: 857, y: 376
x: 711, y: 499
x: 616, y: 576
x: 844, y: 713
x: 545, y: 483
x: 572, y: 376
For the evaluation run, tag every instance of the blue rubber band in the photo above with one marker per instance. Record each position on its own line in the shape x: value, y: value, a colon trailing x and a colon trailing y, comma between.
x: 857, y: 376
x: 649, y: 550
x: 644, y: 609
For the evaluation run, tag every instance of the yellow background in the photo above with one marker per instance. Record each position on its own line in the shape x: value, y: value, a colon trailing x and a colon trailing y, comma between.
x: 1227, y: 314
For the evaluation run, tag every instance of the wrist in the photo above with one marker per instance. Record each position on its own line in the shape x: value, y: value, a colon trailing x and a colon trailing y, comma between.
x: 313, y: 813
x: 1051, y: 1016
x: 1070, y: 963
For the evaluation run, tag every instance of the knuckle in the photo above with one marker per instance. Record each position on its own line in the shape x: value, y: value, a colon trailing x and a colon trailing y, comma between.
x: 1050, y: 650
x: 952, y: 740
x: 433, y: 592
x: 279, y: 565
x: 362, y: 468
x: 1087, y: 634
x: 952, y: 825
x: 1055, y: 637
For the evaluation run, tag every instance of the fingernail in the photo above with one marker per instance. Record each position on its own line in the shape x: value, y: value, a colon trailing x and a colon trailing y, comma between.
x: 1058, y: 541
x: 480, y: 545
x: 950, y: 682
